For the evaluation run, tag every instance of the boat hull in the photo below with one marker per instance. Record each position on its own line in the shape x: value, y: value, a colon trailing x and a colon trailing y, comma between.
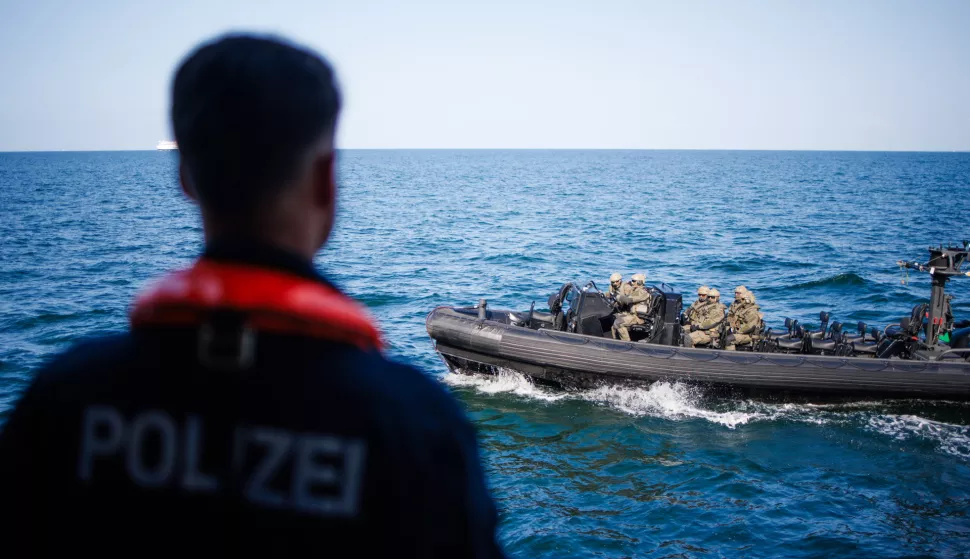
x: 578, y: 360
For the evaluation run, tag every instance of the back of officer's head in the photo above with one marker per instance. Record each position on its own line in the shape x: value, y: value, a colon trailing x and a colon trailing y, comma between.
x: 251, y: 114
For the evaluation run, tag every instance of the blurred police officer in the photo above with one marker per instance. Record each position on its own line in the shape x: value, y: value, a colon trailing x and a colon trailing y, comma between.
x: 249, y: 410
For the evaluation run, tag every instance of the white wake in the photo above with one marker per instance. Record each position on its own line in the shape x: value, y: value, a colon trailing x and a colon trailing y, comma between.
x: 951, y: 439
x: 678, y: 401
x: 665, y: 400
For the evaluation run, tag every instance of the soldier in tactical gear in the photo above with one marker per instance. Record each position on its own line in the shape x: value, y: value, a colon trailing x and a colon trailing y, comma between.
x: 703, y: 318
x: 634, y: 302
x: 715, y: 296
x: 744, y: 317
x: 616, y: 284
x: 693, y: 312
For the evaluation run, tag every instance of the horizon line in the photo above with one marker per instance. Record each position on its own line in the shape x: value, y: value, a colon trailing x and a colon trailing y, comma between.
x: 535, y: 149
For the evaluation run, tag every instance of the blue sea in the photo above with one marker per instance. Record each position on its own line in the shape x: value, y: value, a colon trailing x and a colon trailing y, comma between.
x: 659, y: 471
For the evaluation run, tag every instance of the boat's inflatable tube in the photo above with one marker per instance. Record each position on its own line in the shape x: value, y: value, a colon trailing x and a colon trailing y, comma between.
x: 578, y: 360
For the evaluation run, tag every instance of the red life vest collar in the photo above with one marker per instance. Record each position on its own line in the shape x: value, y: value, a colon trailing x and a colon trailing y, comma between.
x: 271, y: 301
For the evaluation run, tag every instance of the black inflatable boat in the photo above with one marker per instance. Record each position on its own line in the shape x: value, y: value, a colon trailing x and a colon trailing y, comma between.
x: 572, y: 346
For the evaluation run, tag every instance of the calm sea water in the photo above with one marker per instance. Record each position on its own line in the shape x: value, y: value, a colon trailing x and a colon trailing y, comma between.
x: 661, y: 471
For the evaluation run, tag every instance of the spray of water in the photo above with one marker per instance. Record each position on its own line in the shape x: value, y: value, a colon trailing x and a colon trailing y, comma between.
x: 674, y: 401
x: 952, y: 439
x: 679, y: 402
x: 505, y: 381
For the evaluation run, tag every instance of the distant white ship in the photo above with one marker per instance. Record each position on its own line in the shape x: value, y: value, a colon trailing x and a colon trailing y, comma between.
x: 166, y: 145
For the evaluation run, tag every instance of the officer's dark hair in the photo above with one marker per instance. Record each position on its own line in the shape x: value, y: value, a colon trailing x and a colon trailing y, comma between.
x: 245, y: 110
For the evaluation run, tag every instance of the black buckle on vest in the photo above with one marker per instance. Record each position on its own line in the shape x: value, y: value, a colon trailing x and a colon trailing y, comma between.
x: 226, y: 341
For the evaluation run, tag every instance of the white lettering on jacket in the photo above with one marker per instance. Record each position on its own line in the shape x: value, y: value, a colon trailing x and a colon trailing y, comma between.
x: 324, y: 472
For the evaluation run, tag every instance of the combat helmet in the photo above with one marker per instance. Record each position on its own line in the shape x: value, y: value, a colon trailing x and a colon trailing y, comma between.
x: 703, y: 290
x: 638, y: 278
x: 616, y: 278
x: 714, y: 293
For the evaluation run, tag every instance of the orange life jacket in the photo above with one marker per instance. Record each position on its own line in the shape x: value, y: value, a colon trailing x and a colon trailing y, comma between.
x: 271, y: 301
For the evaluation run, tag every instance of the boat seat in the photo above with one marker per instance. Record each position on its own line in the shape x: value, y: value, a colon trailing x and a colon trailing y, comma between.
x: 867, y: 348
x: 855, y: 338
x: 785, y: 342
x: 542, y: 316
x: 956, y: 356
x: 825, y: 345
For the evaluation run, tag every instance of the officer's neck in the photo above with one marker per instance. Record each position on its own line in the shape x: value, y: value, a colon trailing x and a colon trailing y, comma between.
x: 289, y: 238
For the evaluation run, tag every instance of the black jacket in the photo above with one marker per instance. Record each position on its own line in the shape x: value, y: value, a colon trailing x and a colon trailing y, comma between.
x: 128, y: 445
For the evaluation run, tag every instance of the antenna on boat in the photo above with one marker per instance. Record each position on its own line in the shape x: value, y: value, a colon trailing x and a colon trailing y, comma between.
x: 944, y: 263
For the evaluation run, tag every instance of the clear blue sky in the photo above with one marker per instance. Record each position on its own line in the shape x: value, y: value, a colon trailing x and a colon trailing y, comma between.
x: 772, y: 74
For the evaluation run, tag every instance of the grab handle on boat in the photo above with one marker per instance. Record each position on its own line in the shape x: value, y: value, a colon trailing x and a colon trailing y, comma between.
x: 958, y: 350
x: 482, y: 306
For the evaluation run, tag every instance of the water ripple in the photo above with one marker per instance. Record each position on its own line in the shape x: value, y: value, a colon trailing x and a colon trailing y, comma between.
x: 659, y: 471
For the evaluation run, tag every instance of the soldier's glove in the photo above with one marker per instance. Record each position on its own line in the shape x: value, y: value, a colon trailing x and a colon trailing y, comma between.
x: 623, y: 300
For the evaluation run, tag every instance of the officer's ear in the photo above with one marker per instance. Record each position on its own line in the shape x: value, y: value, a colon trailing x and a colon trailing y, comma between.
x: 324, y: 179
x: 186, y: 184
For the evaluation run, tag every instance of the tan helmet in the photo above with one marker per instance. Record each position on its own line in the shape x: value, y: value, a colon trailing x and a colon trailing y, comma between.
x: 616, y: 278
x: 639, y: 278
x: 714, y: 293
x: 703, y: 290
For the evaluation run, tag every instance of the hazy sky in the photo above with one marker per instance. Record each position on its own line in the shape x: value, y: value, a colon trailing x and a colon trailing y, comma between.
x: 770, y: 74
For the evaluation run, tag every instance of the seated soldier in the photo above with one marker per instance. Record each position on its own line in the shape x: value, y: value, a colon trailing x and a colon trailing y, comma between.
x: 633, y: 297
x: 616, y: 284
x: 745, y: 318
x: 703, y: 319
x: 715, y: 296
x: 694, y: 310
